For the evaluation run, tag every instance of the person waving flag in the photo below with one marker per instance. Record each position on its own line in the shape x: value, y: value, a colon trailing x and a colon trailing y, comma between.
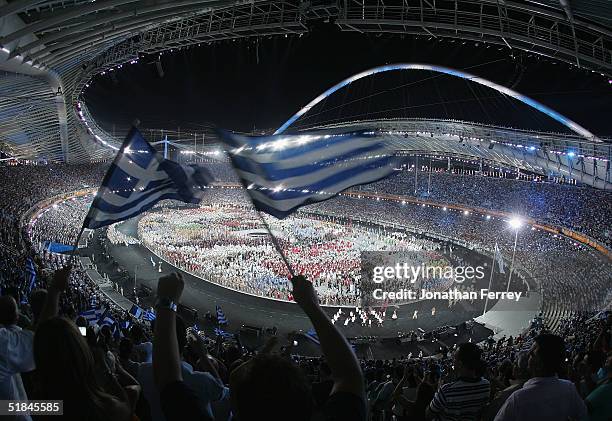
x: 138, y: 178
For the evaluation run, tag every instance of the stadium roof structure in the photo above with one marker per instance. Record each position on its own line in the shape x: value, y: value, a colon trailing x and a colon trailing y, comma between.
x: 50, y: 50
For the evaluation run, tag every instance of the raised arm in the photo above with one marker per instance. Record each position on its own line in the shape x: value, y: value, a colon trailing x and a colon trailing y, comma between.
x: 345, y: 368
x: 166, y: 357
x: 59, y: 283
x: 178, y: 401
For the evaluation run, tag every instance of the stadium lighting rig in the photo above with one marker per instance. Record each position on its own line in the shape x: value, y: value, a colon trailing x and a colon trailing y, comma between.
x: 515, y: 222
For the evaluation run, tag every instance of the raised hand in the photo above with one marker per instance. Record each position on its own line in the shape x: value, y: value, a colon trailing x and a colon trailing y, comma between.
x: 61, y: 279
x: 304, y: 293
x: 171, y: 286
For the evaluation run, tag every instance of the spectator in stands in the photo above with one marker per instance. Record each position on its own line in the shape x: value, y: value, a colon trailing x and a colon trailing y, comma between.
x: 544, y: 396
x: 464, y: 398
x: 267, y: 387
x: 15, y: 351
x: 67, y: 369
x: 520, y: 374
x: 17, y: 344
x: 142, y: 347
x: 206, y: 387
x: 126, y: 351
x: 599, y: 401
x: 405, y: 393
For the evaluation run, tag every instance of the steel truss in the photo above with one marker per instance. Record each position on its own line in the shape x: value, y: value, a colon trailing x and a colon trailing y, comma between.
x: 78, y: 39
x: 538, y: 152
x: 510, y: 24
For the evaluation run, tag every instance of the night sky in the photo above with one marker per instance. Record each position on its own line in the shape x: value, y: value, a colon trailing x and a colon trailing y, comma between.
x: 240, y: 87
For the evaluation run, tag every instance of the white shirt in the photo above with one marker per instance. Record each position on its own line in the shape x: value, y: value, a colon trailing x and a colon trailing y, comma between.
x: 543, y: 399
x: 206, y: 387
x: 16, y: 356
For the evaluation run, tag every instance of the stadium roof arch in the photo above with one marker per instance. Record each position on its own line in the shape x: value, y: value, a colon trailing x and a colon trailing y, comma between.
x: 50, y: 50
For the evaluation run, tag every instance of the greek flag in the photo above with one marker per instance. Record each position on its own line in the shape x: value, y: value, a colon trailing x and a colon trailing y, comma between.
x: 223, y: 334
x: 499, y: 258
x: 221, y: 316
x: 136, y: 311
x: 148, y: 315
x: 138, y: 178
x: 284, y: 172
x: 30, y: 273
x: 91, y: 316
x: 107, y: 320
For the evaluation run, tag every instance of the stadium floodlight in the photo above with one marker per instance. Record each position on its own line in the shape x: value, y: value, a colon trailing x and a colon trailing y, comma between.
x: 515, y: 222
x: 488, y: 216
x: 571, y: 154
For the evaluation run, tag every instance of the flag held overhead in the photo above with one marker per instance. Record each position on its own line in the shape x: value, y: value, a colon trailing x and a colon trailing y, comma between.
x: 285, y: 172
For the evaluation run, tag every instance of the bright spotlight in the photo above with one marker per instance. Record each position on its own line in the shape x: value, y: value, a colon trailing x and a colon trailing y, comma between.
x: 488, y: 216
x: 466, y: 212
x: 571, y: 154
x: 515, y: 222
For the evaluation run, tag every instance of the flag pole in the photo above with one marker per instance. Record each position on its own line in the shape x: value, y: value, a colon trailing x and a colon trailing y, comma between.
x: 272, y: 237
x: 490, y: 278
x: 76, y: 243
x: 276, y: 245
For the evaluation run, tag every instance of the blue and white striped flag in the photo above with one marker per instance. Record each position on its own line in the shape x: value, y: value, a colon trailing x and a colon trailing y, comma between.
x: 136, y: 311
x: 138, y: 178
x: 30, y: 273
x: 284, y: 172
x: 223, y: 334
x: 107, y: 320
x: 91, y: 315
x: 148, y: 315
x: 221, y: 319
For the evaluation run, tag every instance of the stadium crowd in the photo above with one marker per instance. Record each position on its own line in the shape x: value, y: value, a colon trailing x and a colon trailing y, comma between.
x: 582, y: 209
x: 171, y: 372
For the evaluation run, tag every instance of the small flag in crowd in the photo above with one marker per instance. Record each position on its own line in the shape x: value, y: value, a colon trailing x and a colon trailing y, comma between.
x: 284, y: 172
x: 92, y: 315
x: 136, y: 311
x: 138, y: 178
x: 499, y: 258
x: 107, y: 320
x: 149, y: 315
x: 223, y: 333
x: 221, y: 316
x: 103, y: 315
x: 30, y: 273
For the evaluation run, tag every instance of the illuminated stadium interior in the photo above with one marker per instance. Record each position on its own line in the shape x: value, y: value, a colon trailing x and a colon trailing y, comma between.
x: 338, y: 210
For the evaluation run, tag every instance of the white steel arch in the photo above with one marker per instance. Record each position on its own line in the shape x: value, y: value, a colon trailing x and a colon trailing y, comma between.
x: 575, y: 127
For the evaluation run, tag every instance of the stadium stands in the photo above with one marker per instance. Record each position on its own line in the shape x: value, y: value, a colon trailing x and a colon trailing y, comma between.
x: 574, y: 280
